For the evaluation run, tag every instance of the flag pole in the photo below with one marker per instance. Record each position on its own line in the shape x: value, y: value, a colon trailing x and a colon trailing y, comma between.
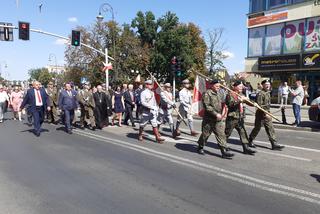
x: 247, y: 100
x: 161, y: 89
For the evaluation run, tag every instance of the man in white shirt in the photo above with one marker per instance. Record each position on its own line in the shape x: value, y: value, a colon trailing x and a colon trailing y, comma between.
x: 185, y: 98
x: 297, y: 98
x: 3, y: 99
x: 284, y: 93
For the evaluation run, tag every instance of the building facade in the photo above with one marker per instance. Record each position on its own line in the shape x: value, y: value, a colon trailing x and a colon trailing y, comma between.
x: 284, y: 42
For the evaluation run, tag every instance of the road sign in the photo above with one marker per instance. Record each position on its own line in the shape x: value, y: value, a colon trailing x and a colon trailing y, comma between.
x: 6, y: 33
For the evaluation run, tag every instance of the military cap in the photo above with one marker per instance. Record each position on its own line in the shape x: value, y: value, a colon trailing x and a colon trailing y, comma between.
x: 214, y: 81
x: 167, y: 85
x: 148, y: 82
x: 186, y: 81
x: 265, y: 81
x: 237, y: 82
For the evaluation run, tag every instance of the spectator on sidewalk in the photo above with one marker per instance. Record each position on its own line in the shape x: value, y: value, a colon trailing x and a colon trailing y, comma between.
x: 284, y: 93
x: 297, y: 99
x: 118, y: 105
x: 306, y: 95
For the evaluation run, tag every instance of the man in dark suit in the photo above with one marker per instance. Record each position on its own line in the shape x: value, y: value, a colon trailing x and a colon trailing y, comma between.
x: 68, y: 103
x: 37, y: 99
x: 129, y: 105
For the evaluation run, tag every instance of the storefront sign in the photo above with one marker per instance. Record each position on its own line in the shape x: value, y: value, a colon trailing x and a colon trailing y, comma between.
x: 311, y: 60
x: 269, y: 17
x: 279, y: 62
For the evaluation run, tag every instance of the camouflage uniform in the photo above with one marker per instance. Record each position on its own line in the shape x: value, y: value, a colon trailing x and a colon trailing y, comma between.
x: 264, y: 101
x: 53, y: 103
x: 235, y: 118
x: 87, y: 106
x: 213, y: 106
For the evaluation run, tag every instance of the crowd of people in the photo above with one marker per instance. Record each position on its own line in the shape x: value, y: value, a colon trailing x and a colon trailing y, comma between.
x: 223, y: 111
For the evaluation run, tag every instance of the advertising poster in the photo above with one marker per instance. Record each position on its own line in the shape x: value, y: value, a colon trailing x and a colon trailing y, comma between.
x: 292, y: 37
x: 313, y: 35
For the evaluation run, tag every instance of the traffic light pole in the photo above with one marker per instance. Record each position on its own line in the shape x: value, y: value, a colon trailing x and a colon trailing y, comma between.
x: 174, y: 87
x: 67, y: 39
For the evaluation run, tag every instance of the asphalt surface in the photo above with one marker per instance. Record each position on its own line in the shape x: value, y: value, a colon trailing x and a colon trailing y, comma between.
x: 109, y: 171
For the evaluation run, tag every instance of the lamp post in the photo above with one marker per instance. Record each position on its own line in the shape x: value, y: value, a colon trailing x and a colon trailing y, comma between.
x: 55, y: 67
x: 104, y: 8
x: 5, y: 66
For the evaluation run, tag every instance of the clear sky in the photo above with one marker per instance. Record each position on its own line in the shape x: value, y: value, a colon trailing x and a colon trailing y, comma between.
x: 61, y: 16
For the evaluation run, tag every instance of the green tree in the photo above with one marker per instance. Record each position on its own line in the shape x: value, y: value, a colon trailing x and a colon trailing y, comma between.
x: 146, y: 26
x: 41, y: 74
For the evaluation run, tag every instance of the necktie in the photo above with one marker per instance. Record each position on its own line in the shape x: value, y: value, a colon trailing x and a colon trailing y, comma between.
x: 69, y: 93
x: 39, y: 97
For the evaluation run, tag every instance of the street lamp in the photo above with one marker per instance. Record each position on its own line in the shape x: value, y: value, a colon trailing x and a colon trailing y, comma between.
x: 104, y: 8
x: 5, y: 66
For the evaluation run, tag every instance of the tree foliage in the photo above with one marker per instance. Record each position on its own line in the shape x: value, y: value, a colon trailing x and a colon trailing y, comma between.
x: 42, y: 75
x: 146, y: 42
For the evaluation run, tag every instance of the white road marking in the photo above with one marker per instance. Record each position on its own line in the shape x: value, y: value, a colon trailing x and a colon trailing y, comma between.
x: 258, y: 141
x: 248, y: 180
x: 285, y: 156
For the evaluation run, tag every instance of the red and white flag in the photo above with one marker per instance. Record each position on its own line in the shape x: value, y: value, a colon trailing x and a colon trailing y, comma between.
x: 107, y: 67
x: 200, y: 87
x: 157, y: 92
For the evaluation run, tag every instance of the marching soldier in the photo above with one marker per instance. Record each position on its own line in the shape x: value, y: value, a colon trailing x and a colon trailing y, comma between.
x: 185, y: 98
x: 53, y: 103
x: 213, y: 120
x: 149, y: 111
x: 264, y: 100
x: 235, y: 118
x: 87, y: 106
x: 166, y: 106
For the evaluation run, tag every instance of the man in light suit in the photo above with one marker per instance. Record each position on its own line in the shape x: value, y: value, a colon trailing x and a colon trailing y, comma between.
x: 37, y: 99
x: 68, y: 103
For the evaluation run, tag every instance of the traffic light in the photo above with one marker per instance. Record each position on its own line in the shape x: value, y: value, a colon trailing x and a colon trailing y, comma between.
x: 173, y: 65
x: 24, y: 30
x: 178, y: 68
x: 75, y: 39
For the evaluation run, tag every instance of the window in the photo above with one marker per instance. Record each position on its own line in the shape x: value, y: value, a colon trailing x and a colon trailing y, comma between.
x: 273, y: 39
x: 256, y: 36
x: 277, y: 3
x: 257, y: 5
x: 292, y: 34
x: 312, y: 34
x: 297, y: 1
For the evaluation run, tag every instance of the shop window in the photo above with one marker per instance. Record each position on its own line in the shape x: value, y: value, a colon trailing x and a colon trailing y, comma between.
x: 273, y: 40
x: 293, y: 33
x: 256, y: 36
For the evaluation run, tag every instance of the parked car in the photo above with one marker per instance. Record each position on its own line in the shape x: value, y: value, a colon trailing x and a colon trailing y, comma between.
x: 314, y: 110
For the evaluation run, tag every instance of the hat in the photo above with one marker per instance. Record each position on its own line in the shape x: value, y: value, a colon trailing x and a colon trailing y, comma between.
x: 265, y: 81
x: 215, y: 81
x: 237, y: 82
x: 148, y: 82
x: 167, y: 85
x: 186, y: 81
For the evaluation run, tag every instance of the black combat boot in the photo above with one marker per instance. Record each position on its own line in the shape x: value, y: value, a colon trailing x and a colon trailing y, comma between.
x: 247, y: 150
x: 225, y: 154
x: 200, y: 150
x: 251, y: 144
x: 276, y: 146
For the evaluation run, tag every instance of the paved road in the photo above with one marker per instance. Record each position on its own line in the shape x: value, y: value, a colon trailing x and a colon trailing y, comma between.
x: 111, y: 172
